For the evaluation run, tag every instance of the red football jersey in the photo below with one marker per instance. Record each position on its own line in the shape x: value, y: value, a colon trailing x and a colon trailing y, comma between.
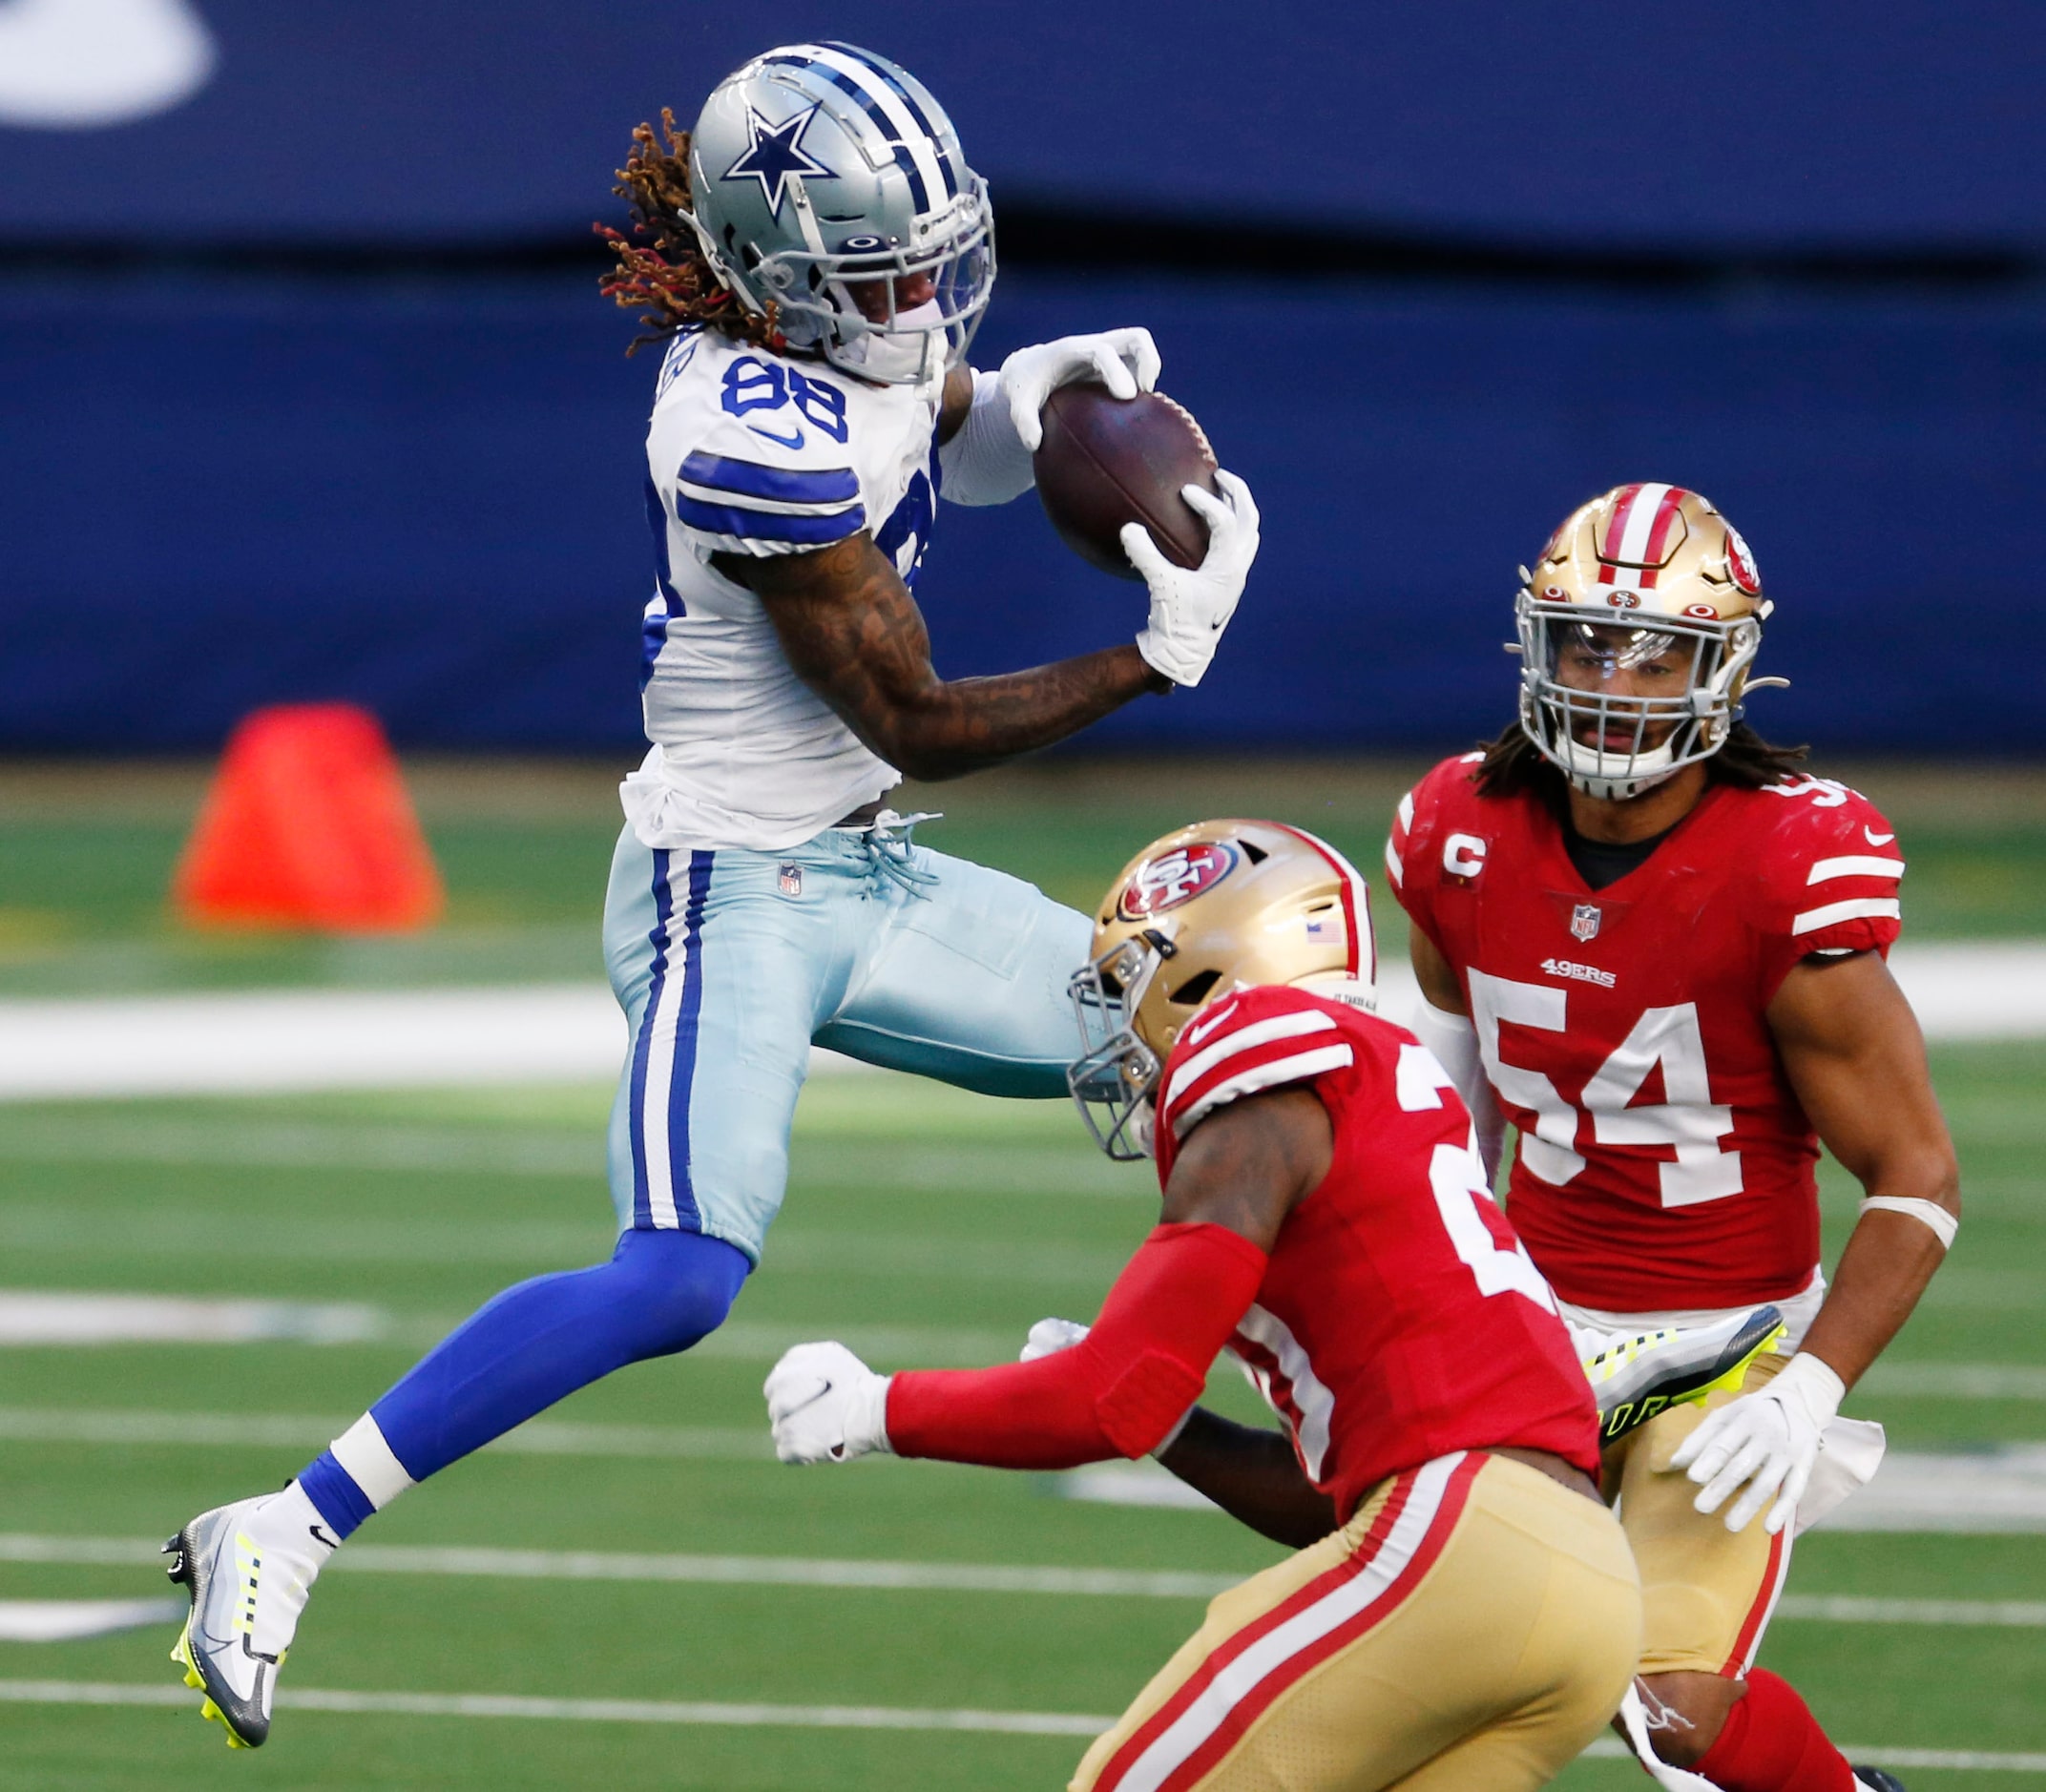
x: 1665, y: 1161
x: 1399, y: 1317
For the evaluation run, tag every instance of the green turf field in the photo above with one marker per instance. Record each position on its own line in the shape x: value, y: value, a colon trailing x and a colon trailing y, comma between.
x: 86, y: 858
x: 923, y: 1226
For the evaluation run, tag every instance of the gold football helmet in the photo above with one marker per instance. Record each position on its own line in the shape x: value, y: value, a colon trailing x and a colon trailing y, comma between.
x: 1211, y: 908
x: 1644, y: 576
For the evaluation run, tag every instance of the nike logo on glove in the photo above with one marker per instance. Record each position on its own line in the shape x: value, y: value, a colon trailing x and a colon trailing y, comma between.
x: 786, y: 441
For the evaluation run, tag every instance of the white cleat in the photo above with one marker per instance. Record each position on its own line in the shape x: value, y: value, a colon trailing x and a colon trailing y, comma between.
x: 1636, y: 1376
x: 249, y: 1568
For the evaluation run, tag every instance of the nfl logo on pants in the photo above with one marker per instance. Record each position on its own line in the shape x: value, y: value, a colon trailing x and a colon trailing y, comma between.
x: 1584, y: 920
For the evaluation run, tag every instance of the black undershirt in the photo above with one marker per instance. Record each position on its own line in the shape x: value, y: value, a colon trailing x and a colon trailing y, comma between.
x: 1603, y: 861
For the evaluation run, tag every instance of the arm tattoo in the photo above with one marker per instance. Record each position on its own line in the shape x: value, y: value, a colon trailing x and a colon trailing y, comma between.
x: 855, y: 636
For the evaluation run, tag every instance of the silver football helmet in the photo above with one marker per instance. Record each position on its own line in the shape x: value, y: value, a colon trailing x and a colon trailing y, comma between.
x: 829, y: 184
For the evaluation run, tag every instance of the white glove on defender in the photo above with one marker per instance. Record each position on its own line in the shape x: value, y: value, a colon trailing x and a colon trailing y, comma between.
x: 1768, y: 1439
x: 825, y: 1404
x: 1124, y: 360
x: 1189, y: 609
x: 1048, y: 1337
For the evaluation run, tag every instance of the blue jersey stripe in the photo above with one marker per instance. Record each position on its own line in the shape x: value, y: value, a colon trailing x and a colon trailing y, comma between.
x: 754, y: 479
x: 866, y: 60
x: 642, y: 1046
x: 683, y: 1078
x: 919, y: 193
x: 718, y: 519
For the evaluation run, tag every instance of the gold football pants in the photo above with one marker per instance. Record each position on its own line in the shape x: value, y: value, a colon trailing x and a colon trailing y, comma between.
x: 1706, y: 1591
x: 1469, y: 1630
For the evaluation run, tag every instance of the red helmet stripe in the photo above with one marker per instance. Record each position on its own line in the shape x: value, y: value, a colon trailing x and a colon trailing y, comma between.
x: 1351, y: 886
x: 1673, y: 497
x: 1616, y: 532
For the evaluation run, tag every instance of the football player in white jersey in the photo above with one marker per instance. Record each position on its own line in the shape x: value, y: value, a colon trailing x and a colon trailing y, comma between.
x: 819, y: 253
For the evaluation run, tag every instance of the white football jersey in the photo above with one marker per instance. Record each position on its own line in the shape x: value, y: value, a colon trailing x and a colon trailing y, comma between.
x: 757, y: 453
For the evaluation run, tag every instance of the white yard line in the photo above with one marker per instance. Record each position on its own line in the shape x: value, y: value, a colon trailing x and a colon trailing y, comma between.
x: 782, y: 1571
x: 579, y: 1710
x: 1995, y: 1491
x: 70, y: 1620
x: 511, y: 1705
x: 273, y: 1041
x: 36, y: 1317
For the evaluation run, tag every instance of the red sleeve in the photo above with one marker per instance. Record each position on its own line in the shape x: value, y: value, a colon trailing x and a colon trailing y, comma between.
x: 1413, y: 866
x: 1115, y: 1393
x: 1832, y: 882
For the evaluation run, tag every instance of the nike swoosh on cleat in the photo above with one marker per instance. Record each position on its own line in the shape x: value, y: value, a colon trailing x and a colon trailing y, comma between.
x: 1877, y: 840
x: 786, y: 441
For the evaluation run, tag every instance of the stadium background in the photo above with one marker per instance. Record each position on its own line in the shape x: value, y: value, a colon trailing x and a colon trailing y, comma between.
x: 308, y: 396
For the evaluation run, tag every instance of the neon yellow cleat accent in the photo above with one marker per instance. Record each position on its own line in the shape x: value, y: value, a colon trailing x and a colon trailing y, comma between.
x: 1637, y: 1378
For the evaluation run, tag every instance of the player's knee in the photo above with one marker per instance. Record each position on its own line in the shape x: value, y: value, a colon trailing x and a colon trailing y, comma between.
x: 1686, y: 1712
x: 679, y: 1286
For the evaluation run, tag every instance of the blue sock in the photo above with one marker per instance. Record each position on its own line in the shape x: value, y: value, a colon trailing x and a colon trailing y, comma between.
x: 659, y: 1293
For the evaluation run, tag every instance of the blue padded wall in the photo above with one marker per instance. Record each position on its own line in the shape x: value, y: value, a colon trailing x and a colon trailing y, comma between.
x: 426, y: 498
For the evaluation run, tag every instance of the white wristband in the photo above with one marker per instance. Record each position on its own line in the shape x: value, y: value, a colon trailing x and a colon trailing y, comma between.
x: 986, y: 461
x: 1931, y: 1214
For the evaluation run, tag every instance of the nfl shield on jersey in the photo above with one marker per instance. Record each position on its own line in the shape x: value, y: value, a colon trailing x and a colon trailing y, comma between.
x: 1665, y: 1162
x: 753, y: 453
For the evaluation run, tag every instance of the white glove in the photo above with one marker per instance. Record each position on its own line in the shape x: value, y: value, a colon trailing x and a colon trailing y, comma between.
x: 1048, y: 1337
x: 1190, y: 608
x: 827, y: 1406
x: 1768, y: 1439
x: 1124, y: 360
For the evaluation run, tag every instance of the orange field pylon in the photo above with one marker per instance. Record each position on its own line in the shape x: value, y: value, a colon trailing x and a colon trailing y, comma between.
x: 308, y: 825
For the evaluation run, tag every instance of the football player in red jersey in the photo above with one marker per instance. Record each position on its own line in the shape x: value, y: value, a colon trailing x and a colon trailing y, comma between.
x: 1658, y: 948
x: 1464, y: 1615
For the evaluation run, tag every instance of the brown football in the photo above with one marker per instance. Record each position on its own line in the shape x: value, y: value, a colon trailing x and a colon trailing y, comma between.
x: 1109, y: 460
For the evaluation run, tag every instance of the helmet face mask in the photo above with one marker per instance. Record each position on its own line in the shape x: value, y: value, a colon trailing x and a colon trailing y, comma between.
x: 1636, y: 631
x: 829, y: 188
x: 1115, y: 1079
x: 1196, y: 917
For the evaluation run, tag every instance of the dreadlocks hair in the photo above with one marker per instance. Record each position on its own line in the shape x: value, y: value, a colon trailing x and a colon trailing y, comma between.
x: 1513, y: 765
x: 663, y: 276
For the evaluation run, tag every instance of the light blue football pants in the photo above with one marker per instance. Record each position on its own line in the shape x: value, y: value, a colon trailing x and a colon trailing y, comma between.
x: 729, y: 965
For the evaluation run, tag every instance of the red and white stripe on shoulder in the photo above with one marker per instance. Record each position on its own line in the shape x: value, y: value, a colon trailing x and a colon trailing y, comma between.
x: 1243, y: 1049
x: 1396, y: 842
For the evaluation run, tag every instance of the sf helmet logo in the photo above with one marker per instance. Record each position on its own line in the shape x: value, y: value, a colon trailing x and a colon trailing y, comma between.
x: 1740, y: 563
x: 1174, y: 878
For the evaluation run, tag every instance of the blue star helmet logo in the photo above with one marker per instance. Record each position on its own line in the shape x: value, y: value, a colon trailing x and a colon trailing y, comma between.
x: 776, y: 154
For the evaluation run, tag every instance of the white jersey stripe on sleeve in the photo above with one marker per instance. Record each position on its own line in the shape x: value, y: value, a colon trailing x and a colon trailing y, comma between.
x: 1313, y: 1404
x: 1278, y: 1072
x: 1854, y: 865
x: 1875, y: 907
x: 1290, y: 1026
